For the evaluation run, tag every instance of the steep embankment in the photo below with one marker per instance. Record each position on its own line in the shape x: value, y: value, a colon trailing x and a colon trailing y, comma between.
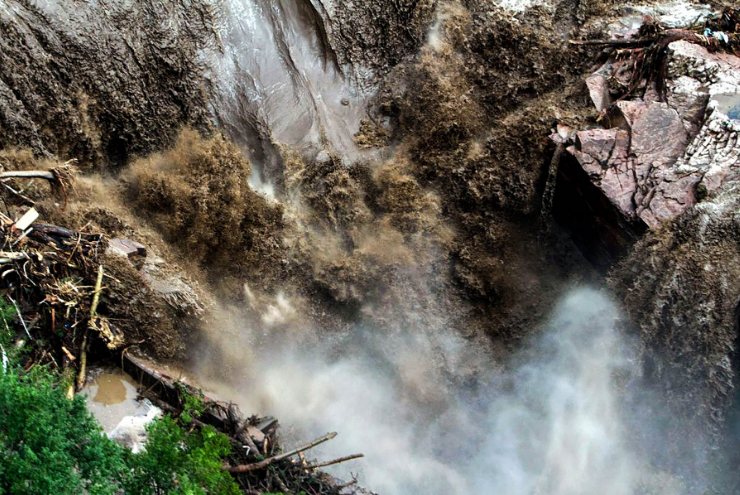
x: 101, y: 83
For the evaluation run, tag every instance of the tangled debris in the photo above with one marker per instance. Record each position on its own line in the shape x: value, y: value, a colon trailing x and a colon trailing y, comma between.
x: 45, y: 277
x: 258, y: 462
x: 61, y: 286
x: 641, y: 54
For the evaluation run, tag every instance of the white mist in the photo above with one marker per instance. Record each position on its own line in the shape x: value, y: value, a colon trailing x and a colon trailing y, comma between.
x: 429, y: 421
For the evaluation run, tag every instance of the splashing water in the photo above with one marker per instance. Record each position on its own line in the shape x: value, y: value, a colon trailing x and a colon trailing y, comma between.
x: 433, y: 415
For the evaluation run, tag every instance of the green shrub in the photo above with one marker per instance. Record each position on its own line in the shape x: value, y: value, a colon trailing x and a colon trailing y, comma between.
x: 52, y: 445
x: 176, y: 462
x: 193, y: 404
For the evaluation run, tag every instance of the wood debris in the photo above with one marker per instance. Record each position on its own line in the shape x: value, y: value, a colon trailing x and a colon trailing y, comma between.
x: 257, y: 461
x: 53, y: 278
x: 644, y: 56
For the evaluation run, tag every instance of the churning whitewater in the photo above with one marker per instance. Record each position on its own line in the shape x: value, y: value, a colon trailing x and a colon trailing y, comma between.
x: 560, y: 419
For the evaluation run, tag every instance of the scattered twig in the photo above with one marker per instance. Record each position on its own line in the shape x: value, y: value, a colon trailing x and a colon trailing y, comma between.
x: 69, y: 354
x: 20, y: 317
x: 7, y: 257
x: 81, y: 377
x: 96, y: 295
x: 5, y: 359
x: 26, y: 199
x: 347, y: 485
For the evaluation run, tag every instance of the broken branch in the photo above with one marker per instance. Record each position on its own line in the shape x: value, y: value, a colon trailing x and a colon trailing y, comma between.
x: 20, y: 317
x: 335, y: 461
x: 7, y: 257
x: 81, y: 378
x: 263, y: 464
x: 96, y: 296
x: 29, y: 174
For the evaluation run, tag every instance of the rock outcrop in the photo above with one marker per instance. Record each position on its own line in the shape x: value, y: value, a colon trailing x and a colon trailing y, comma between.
x: 654, y: 188
x: 654, y: 157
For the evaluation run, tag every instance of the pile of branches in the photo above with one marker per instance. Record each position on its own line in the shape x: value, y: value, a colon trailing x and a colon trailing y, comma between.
x: 643, y: 57
x: 52, y: 278
x: 258, y: 462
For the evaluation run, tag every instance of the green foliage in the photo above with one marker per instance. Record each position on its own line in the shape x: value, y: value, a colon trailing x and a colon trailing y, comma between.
x: 49, y: 444
x: 7, y: 312
x: 193, y: 404
x: 176, y: 462
x: 52, y: 445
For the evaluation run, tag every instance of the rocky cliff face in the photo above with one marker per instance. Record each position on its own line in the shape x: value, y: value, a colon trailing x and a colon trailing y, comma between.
x: 654, y: 186
x: 653, y: 157
x: 426, y: 211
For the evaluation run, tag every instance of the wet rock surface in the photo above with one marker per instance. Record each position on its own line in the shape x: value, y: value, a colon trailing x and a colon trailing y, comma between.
x: 101, y: 83
x: 654, y: 157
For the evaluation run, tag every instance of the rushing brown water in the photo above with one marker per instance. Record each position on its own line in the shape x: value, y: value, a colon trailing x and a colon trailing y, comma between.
x: 371, y: 281
x: 281, y: 82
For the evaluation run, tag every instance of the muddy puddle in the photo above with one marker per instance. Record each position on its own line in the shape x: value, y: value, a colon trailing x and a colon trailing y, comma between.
x: 111, y: 396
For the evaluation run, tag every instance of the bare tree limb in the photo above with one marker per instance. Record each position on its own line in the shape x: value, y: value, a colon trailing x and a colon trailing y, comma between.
x: 263, y: 464
x: 335, y: 461
x: 29, y: 174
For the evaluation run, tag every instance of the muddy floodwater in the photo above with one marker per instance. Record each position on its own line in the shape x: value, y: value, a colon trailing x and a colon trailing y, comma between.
x: 111, y: 396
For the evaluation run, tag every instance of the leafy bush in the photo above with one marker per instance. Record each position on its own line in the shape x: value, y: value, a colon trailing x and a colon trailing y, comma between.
x: 176, y: 462
x: 49, y: 444
x: 192, y: 403
x: 52, y: 445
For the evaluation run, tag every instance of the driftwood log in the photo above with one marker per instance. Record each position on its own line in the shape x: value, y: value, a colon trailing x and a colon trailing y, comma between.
x: 245, y: 468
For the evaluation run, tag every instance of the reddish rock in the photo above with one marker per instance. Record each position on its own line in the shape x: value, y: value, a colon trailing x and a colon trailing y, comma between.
x: 653, y: 159
x: 598, y: 88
